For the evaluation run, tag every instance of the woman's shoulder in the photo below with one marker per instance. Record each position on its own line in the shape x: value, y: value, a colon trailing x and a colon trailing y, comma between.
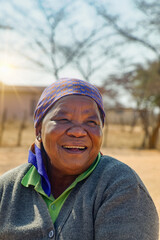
x: 117, y: 172
x: 14, y: 174
x: 108, y: 163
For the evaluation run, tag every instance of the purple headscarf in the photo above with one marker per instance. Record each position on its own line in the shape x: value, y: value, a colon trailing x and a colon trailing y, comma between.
x: 64, y: 87
x: 50, y: 95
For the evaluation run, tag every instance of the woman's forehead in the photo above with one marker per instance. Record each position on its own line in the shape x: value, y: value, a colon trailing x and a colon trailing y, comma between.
x: 72, y: 102
x: 71, y: 99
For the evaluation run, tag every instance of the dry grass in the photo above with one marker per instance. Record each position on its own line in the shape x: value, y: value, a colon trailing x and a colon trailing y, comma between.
x: 116, y: 136
x: 121, y: 144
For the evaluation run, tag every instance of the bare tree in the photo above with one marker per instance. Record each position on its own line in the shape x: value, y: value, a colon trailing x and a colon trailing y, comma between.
x: 52, y: 38
x: 22, y: 126
x: 143, y: 85
x: 2, y: 125
x: 143, y: 32
x: 144, y: 29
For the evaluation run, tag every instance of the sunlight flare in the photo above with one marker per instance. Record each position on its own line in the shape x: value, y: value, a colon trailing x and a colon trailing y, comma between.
x: 6, y: 72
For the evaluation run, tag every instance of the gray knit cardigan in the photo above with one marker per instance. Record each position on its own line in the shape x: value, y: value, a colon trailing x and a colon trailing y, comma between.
x: 112, y: 204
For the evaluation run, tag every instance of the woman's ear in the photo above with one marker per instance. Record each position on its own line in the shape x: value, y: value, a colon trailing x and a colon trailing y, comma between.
x: 38, y: 130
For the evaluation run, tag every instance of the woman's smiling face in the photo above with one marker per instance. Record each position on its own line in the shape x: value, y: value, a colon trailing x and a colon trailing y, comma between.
x: 72, y: 134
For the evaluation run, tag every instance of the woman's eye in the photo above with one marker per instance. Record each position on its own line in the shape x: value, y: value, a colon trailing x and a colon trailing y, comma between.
x: 60, y: 120
x: 92, y: 123
x: 63, y: 120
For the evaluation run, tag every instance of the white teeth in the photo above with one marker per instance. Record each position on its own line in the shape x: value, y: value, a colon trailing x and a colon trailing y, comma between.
x: 79, y: 147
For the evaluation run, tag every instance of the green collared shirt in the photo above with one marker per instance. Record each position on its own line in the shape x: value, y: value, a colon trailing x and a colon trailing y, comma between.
x: 33, y: 178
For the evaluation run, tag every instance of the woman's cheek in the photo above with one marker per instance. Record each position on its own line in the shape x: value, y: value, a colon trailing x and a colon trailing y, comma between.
x: 99, y: 136
x: 52, y: 127
x: 97, y: 131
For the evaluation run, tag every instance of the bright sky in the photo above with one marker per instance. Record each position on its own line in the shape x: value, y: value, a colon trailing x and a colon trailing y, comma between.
x: 10, y: 62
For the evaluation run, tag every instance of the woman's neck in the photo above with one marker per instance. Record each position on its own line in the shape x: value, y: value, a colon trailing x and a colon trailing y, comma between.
x: 59, y: 183
x: 58, y: 186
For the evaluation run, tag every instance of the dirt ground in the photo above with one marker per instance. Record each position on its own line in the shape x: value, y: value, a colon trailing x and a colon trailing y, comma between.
x: 145, y: 163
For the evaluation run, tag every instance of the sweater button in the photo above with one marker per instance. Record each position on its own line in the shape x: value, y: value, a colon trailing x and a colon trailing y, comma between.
x: 51, y: 234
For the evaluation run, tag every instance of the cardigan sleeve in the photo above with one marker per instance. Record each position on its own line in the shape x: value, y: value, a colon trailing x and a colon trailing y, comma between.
x: 126, y: 211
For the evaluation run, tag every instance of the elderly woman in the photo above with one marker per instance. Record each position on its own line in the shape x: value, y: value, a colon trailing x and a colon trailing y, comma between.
x: 69, y: 190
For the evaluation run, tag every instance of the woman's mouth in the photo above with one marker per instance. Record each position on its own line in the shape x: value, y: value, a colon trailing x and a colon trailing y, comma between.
x: 74, y: 149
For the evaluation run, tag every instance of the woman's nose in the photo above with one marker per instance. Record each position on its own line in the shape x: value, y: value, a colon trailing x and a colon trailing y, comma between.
x: 76, y: 131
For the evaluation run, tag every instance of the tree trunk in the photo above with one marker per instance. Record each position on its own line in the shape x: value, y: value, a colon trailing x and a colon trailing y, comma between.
x: 144, y: 143
x: 145, y: 121
x: 153, y: 139
x: 21, y: 128
x: 2, y: 125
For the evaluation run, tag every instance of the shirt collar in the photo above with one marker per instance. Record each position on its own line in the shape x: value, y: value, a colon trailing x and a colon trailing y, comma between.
x: 33, y: 177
